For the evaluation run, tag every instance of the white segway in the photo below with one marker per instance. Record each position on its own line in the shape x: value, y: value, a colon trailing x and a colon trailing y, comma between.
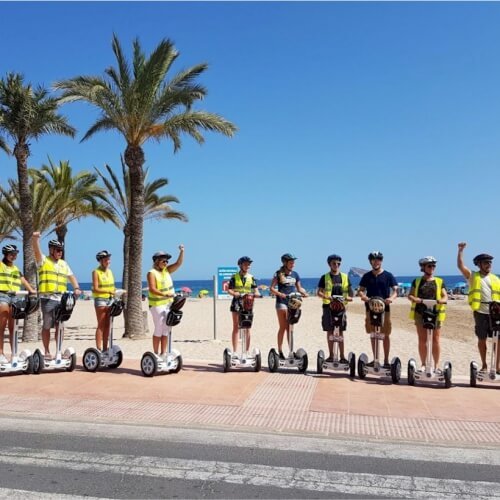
x: 297, y: 359
x: 20, y: 309
x: 429, y: 316
x: 151, y: 363
x: 63, y: 360
x: 93, y: 358
x: 245, y: 319
x: 337, y: 314
x: 376, y: 308
x: 490, y: 376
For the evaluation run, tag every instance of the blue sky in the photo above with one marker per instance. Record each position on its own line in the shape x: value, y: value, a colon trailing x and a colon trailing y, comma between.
x: 362, y: 126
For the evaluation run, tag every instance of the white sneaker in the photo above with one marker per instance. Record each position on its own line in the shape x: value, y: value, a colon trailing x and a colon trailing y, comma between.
x: 3, y: 359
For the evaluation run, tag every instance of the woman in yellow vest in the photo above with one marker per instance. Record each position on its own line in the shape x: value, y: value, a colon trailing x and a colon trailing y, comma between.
x: 241, y: 283
x: 103, y: 289
x: 428, y: 287
x: 160, y: 296
x: 11, y: 280
x: 334, y: 283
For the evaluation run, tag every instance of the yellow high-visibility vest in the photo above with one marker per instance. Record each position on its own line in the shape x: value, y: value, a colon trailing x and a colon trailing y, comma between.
x: 238, y: 283
x: 53, y: 276
x: 329, y: 287
x: 105, y: 281
x: 10, y: 278
x: 441, y: 308
x: 163, y: 284
x: 475, y: 290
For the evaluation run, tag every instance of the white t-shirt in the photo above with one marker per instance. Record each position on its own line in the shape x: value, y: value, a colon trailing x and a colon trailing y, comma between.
x: 485, y: 282
x: 58, y: 269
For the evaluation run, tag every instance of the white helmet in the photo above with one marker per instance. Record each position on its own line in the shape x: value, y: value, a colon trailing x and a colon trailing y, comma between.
x: 427, y: 260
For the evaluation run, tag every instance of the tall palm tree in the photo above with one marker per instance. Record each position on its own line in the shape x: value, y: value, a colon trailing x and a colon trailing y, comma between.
x: 7, y: 224
x: 156, y: 206
x: 138, y: 100
x: 27, y: 114
x: 78, y: 195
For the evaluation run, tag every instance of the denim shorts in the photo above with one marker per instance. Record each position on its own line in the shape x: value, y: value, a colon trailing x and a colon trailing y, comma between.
x: 48, y: 308
x: 6, y: 299
x: 101, y: 302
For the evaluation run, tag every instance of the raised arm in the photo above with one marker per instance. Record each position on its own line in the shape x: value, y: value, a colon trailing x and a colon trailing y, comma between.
x: 178, y: 263
x: 466, y: 272
x: 36, y: 247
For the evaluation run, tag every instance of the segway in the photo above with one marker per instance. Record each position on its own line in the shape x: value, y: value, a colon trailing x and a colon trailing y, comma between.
x: 245, y: 318
x: 20, y: 309
x: 490, y: 376
x: 376, y: 308
x: 152, y: 363
x: 427, y: 308
x: 63, y: 360
x: 93, y: 358
x: 297, y: 359
x: 337, y: 319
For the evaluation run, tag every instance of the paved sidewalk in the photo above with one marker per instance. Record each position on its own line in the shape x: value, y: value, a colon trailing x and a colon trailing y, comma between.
x: 288, y: 402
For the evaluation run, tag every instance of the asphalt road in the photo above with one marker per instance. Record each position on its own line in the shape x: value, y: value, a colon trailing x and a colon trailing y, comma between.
x: 52, y: 459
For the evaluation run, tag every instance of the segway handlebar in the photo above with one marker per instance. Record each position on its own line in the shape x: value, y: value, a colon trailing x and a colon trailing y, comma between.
x: 431, y: 302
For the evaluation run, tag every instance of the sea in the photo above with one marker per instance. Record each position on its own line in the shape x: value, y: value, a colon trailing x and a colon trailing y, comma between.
x: 452, y: 282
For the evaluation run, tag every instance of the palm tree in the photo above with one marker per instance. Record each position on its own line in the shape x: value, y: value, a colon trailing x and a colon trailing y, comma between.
x: 7, y: 224
x: 27, y: 114
x: 156, y: 206
x: 78, y: 195
x: 137, y: 100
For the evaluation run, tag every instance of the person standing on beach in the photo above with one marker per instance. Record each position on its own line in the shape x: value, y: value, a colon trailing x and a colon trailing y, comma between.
x: 379, y: 283
x: 11, y: 280
x: 334, y: 283
x: 53, y: 273
x: 287, y: 281
x: 103, y: 289
x: 428, y: 287
x: 161, y: 295
x: 484, y: 287
x: 240, y: 284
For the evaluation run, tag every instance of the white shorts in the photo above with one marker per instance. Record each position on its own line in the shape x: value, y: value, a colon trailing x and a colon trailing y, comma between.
x: 159, y: 314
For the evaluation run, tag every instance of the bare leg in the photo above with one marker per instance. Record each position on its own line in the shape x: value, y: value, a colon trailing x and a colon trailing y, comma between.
x: 156, y: 344
x: 234, y: 335
x: 481, y: 345
x: 46, y: 340
x: 164, y: 342
x: 283, y: 326
x: 422, y: 344
x: 101, y: 315
x: 436, y: 347
x: 387, y: 348
x: 330, y: 343
x: 4, y: 317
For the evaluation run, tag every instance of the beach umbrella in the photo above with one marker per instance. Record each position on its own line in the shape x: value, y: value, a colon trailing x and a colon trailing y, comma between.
x: 186, y: 289
x: 262, y: 287
x: 202, y: 293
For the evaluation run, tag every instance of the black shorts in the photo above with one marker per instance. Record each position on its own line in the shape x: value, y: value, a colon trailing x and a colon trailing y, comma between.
x: 327, y: 323
x: 482, y: 325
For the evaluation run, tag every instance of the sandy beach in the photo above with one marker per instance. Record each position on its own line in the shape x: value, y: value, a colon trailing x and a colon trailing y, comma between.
x: 194, y: 337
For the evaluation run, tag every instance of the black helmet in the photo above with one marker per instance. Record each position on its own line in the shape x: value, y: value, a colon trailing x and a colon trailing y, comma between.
x: 9, y: 249
x: 287, y: 256
x: 102, y: 255
x: 161, y: 255
x: 481, y: 257
x: 56, y: 244
x: 334, y: 256
x: 375, y: 255
x: 243, y: 259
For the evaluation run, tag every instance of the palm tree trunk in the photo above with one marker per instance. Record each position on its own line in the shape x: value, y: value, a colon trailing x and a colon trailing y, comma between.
x: 22, y: 152
x: 134, y: 158
x: 125, y: 274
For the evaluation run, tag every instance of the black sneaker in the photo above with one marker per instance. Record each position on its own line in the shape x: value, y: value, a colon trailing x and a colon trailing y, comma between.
x: 281, y: 355
x: 387, y: 366
x: 343, y: 361
x: 371, y: 364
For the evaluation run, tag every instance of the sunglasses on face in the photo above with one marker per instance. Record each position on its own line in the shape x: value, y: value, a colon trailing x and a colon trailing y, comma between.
x: 430, y: 265
x: 335, y: 263
x: 164, y: 261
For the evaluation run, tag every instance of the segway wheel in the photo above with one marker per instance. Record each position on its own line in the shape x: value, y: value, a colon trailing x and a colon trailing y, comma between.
x: 411, y: 373
x: 396, y: 371
x: 258, y: 362
x: 29, y: 368
x: 72, y: 363
x: 352, y: 366
x: 304, y: 364
x: 319, y: 362
x: 447, y: 376
x: 473, y: 375
x: 38, y: 362
x: 149, y: 365
x: 91, y: 360
x: 226, y: 360
x: 361, y: 369
x: 178, y: 368
x: 273, y: 361
x: 119, y: 360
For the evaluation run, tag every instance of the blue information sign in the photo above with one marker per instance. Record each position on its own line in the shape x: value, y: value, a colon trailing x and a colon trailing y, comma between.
x: 224, y: 275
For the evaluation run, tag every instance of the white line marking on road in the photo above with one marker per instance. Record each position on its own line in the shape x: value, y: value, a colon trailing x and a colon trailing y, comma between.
x: 6, y: 493
x: 253, y: 474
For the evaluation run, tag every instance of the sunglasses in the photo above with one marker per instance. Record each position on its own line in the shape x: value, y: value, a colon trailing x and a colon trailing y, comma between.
x: 335, y: 263
x: 163, y: 261
x: 430, y: 265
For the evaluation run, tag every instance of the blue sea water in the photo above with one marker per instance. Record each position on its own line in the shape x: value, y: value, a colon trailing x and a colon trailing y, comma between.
x: 309, y: 284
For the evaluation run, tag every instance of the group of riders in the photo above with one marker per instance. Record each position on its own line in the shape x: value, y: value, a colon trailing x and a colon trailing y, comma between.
x: 54, y: 274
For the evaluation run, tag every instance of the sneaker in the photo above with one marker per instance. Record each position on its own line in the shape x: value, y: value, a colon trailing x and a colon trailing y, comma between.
x: 343, y: 361
x: 3, y: 359
x: 438, y: 371
x: 329, y: 359
x: 387, y: 366
x: 281, y: 355
x: 371, y: 364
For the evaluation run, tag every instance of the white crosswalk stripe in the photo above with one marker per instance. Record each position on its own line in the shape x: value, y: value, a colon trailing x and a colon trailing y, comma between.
x: 253, y: 474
